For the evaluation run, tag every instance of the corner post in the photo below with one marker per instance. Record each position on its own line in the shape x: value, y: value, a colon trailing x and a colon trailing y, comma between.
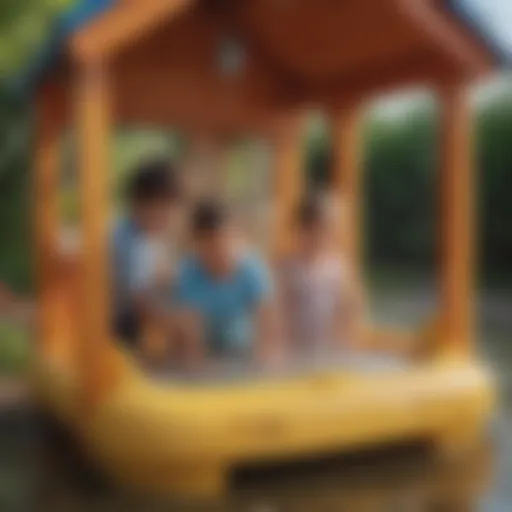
x: 457, y: 217
x: 347, y: 163
x: 92, y: 103
x: 289, y: 183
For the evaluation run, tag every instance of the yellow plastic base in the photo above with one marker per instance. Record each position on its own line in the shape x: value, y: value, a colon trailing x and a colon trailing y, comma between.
x: 184, y: 439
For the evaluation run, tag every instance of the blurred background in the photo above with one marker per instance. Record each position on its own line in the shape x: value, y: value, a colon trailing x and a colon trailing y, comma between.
x: 400, y: 180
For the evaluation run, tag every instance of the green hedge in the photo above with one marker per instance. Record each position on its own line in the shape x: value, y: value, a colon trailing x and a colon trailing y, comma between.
x: 401, y: 175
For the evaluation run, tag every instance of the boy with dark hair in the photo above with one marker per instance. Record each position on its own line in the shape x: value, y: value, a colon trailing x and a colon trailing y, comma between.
x: 223, y: 293
x: 142, y: 260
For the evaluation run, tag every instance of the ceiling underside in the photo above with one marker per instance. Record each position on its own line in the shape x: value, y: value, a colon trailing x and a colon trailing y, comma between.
x: 296, y: 52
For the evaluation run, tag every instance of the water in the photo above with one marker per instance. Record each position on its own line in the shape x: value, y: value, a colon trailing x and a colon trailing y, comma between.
x: 410, y: 479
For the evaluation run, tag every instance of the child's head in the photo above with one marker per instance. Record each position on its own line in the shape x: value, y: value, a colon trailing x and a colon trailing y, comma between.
x: 154, y: 194
x: 213, y: 233
x: 314, y: 223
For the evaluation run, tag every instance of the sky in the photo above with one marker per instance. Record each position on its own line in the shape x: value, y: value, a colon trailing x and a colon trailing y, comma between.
x: 495, y: 15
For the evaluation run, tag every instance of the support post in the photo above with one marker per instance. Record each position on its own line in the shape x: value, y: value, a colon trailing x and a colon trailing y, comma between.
x: 49, y: 121
x: 93, y: 134
x: 457, y: 222
x: 289, y: 184
x: 347, y: 165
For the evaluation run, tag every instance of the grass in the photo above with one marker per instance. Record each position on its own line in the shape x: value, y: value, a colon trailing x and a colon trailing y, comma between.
x: 14, y: 349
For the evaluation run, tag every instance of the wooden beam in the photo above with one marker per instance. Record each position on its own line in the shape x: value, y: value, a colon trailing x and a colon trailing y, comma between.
x: 49, y: 123
x: 429, y: 19
x: 122, y: 25
x: 347, y: 125
x: 93, y: 133
x: 457, y: 222
x: 289, y: 183
x: 417, y: 70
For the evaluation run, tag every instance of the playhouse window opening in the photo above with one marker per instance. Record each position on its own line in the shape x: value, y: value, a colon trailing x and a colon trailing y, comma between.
x: 242, y: 171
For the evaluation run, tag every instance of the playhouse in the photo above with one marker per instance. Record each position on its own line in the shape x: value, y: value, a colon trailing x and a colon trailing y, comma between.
x: 216, y: 68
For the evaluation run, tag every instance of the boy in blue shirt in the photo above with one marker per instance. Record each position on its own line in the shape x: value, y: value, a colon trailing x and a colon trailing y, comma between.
x: 223, y: 293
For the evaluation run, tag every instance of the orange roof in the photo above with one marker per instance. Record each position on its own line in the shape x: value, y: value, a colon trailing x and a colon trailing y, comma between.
x: 164, y: 54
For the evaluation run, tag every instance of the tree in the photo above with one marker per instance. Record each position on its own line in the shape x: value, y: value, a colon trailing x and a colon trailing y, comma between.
x: 24, y: 24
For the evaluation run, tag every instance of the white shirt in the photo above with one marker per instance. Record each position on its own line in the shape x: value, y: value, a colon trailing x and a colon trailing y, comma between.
x: 313, y: 300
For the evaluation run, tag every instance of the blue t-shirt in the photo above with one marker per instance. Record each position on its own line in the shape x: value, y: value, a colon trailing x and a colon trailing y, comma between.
x: 226, y: 306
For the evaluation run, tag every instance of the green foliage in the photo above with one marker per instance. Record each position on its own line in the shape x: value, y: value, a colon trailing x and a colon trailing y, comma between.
x: 495, y: 184
x: 15, y: 254
x: 400, y: 175
x: 23, y: 26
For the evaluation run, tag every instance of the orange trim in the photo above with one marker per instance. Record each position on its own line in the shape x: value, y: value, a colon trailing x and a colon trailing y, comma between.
x: 122, y: 25
x: 347, y: 125
x: 288, y: 183
x: 93, y: 131
x: 457, y: 247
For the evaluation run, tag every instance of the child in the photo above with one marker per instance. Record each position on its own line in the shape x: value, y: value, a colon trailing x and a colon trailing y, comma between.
x: 142, y: 258
x: 319, y: 297
x: 223, y: 293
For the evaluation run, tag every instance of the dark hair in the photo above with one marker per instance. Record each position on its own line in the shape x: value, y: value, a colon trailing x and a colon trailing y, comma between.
x: 311, y: 211
x: 208, y: 216
x: 154, y: 180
